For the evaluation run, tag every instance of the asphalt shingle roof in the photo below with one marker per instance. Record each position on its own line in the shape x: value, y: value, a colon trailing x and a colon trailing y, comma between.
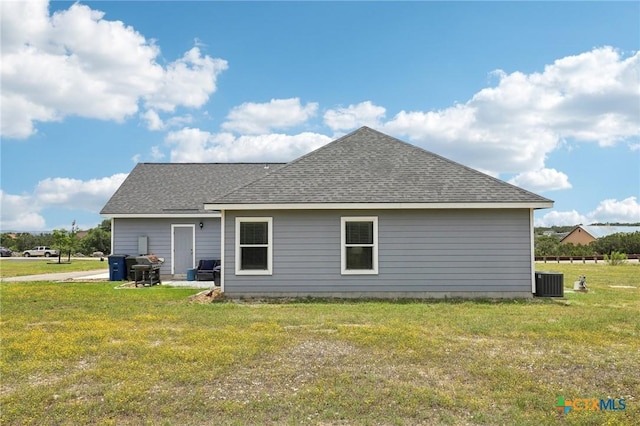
x: 367, y: 166
x: 165, y: 188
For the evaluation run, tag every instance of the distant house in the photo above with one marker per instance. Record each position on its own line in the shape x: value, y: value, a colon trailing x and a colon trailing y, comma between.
x: 367, y: 215
x: 585, y: 234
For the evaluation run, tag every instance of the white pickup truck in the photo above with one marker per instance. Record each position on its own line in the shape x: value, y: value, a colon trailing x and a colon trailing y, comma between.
x: 40, y: 251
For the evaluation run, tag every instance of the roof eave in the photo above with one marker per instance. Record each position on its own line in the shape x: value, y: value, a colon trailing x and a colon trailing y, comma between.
x: 210, y: 214
x: 376, y: 206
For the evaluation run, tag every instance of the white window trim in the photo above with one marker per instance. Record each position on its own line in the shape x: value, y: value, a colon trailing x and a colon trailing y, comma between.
x: 269, y: 269
x: 343, y: 245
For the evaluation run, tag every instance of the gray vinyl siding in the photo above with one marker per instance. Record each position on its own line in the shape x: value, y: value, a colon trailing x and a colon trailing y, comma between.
x: 158, y: 231
x: 445, y: 252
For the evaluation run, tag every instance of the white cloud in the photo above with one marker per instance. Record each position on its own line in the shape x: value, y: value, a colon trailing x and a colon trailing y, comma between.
x: 195, y: 145
x: 88, y: 195
x: 152, y: 119
x: 25, y: 211
x: 156, y: 154
x: 154, y: 122
x: 179, y: 120
x: 542, y: 180
x: 188, y: 81
x: 459, y: 134
x: 612, y: 211
x: 20, y: 212
x: 278, y: 114
x: 512, y: 127
x: 607, y: 211
x: 354, y: 116
x: 556, y: 218
x: 75, y: 62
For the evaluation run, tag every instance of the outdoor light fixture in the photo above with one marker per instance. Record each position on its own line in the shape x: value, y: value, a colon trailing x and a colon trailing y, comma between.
x: 201, y: 225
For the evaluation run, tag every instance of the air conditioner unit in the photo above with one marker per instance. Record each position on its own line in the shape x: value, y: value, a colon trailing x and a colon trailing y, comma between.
x: 549, y: 284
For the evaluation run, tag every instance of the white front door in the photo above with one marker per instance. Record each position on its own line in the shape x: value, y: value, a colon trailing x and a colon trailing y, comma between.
x: 183, y: 248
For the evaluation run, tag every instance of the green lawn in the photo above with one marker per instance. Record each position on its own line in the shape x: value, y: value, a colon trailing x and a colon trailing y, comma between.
x: 21, y: 267
x: 79, y: 353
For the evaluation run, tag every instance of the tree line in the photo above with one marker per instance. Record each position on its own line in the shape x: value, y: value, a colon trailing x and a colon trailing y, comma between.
x: 97, y: 239
x: 627, y: 243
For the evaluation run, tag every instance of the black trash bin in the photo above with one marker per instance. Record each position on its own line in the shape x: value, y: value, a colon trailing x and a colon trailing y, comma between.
x: 549, y: 284
x: 117, y: 267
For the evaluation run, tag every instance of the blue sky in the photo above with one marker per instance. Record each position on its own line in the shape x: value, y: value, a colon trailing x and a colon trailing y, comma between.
x: 541, y: 94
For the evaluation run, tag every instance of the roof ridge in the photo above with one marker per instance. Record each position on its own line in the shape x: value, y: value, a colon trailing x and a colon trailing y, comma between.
x: 286, y: 165
x: 325, y: 146
x: 211, y: 163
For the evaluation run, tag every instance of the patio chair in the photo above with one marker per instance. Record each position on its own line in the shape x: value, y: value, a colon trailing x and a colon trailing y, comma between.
x: 208, y: 270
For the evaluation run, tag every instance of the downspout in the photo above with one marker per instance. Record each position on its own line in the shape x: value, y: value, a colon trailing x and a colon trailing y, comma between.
x: 113, y: 232
x: 222, y: 232
x: 533, y: 252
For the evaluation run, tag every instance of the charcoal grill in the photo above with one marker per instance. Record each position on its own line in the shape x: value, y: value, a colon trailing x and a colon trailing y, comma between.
x: 146, y: 271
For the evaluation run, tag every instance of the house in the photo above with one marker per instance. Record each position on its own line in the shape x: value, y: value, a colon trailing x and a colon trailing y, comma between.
x: 159, y: 209
x: 367, y: 215
x: 81, y: 234
x: 586, y: 234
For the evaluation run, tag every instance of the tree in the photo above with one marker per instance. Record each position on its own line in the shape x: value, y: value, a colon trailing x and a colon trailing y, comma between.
x: 546, y: 246
x: 73, y: 242
x: 105, y: 225
x: 96, y: 240
x: 26, y: 240
x: 8, y: 240
x: 61, y: 240
x: 66, y: 241
x: 628, y: 243
x: 99, y: 240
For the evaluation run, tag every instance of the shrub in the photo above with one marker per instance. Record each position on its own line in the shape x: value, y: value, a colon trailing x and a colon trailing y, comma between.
x: 615, y: 258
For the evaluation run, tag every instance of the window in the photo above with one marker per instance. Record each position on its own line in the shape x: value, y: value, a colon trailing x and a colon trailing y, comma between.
x: 254, y: 245
x: 359, y: 245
